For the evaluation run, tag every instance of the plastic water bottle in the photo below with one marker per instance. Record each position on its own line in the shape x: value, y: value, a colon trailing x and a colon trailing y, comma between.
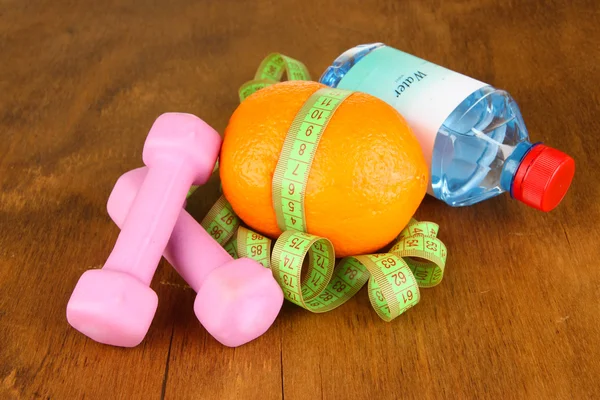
x: 471, y: 133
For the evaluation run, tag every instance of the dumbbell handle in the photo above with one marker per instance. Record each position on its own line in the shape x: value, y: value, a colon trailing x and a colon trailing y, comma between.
x: 147, y: 228
x: 190, y: 250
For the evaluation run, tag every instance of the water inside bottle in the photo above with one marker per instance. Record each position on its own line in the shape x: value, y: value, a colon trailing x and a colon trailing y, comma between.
x: 472, y: 145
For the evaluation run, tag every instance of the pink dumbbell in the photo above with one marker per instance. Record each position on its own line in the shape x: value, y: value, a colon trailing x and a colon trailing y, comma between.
x: 237, y: 300
x: 115, y: 305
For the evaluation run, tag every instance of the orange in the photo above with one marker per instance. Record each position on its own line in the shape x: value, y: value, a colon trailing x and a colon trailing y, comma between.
x: 367, y: 179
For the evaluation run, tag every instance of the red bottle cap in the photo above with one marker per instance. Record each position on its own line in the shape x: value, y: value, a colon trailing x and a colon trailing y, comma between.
x: 543, y: 177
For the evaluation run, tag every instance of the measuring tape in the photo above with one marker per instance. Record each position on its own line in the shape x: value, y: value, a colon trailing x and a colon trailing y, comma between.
x: 270, y: 71
x: 417, y: 258
x: 415, y: 241
x: 393, y: 278
x: 295, y: 160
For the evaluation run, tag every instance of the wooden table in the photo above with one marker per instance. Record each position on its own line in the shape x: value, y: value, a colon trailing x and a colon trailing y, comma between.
x: 517, y: 315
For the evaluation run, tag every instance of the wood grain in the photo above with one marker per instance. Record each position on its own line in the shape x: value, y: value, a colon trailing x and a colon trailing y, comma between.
x: 517, y: 315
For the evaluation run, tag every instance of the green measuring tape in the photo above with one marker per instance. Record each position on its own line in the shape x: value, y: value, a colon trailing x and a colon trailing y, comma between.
x: 393, y: 278
x: 416, y: 258
x: 419, y: 240
x: 392, y: 287
x: 270, y: 71
x: 295, y: 161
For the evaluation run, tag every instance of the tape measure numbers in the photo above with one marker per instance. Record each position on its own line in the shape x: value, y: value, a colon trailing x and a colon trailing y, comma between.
x: 419, y: 240
x: 221, y: 222
x: 255, y: 246
x: 297, y: 154
x: 288, y: 257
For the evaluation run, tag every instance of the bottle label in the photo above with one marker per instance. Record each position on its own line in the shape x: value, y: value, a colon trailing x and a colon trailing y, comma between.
x: 424, y: 93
